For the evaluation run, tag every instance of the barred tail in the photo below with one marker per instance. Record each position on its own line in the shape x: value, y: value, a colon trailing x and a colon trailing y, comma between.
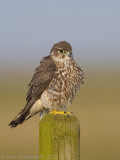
x: 19, y: 119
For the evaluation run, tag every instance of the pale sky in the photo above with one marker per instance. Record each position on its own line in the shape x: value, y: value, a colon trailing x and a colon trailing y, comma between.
x: 29, y: 28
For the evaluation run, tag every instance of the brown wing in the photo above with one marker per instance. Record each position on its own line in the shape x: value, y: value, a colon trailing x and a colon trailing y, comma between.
x: 40, y: 81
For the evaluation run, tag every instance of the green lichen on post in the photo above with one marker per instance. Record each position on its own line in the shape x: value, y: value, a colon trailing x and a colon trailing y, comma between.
x: 59, y: 138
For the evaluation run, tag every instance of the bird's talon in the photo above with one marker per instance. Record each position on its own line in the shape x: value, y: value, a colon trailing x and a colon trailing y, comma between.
x: 60, y: 112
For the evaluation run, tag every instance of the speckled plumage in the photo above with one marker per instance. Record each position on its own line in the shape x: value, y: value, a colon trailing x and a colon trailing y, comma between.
x: 53, y: 85
x: 63, y: 87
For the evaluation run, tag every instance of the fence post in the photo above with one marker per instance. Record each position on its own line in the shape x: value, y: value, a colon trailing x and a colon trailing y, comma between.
x: 59, y: 138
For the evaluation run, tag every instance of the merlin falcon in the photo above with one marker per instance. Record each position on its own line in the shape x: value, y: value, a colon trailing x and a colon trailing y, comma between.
x: 54, y: 84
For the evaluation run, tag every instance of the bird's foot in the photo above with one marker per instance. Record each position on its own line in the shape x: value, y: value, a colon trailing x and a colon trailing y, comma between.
x: 60, y: 112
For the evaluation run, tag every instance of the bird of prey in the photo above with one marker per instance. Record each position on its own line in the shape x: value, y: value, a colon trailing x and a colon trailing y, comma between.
x: 54, y: 84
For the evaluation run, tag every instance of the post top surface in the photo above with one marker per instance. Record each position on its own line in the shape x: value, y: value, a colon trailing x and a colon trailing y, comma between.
x: 59, y: 118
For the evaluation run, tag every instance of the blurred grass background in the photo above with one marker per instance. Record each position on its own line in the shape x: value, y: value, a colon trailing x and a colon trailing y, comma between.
x: 97, y: 106
x: 28, y: 29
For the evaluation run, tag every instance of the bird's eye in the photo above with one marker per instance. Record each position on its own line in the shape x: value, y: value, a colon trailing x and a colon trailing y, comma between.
x: 61, y: 51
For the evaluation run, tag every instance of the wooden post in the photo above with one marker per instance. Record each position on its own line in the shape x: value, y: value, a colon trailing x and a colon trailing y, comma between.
x: 59, y: 138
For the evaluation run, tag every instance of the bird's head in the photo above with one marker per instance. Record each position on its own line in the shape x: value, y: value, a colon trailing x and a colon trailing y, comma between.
x: 61, y: 51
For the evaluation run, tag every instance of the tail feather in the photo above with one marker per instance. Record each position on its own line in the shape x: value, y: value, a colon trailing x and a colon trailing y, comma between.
x: 19, y: 119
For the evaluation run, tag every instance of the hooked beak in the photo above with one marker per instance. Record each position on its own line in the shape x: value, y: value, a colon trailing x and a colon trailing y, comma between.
x: 69, y: 54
